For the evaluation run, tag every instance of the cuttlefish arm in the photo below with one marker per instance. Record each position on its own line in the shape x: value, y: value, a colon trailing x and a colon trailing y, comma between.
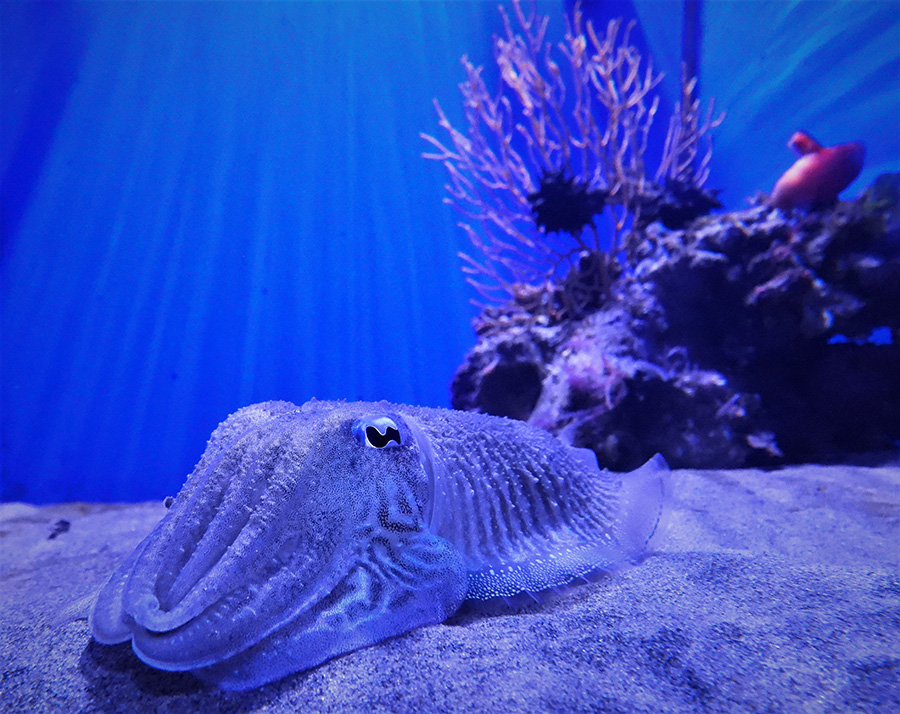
x: 305, y: 533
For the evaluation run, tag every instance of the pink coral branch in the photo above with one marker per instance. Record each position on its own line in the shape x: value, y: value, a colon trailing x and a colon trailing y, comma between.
x: 513, y: 140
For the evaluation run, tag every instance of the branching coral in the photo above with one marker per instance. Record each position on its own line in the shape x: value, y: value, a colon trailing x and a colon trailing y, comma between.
x: 688, y: 146
x: 535, y: 160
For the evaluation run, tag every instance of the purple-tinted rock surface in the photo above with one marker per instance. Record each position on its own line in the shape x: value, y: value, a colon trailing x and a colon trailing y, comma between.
x: 742, y: 339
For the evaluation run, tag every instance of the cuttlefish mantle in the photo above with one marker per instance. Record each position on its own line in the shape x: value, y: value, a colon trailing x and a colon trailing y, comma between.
x: 308, y: 532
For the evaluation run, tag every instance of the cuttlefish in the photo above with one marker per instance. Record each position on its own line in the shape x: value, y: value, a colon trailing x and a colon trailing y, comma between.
x: 307, y: 532
x: 819, y: 175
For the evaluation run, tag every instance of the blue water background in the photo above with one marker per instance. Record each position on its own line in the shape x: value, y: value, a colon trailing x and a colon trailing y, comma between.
x: 210, y: 204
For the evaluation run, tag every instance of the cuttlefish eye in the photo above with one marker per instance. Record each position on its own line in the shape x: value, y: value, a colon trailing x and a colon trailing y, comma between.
x: 377, y: 432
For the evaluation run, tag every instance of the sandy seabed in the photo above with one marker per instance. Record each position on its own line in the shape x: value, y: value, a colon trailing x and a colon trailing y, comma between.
x: 765, y: 592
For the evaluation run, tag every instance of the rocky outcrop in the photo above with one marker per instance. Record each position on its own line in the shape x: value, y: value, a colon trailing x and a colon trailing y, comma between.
x: 747, y: 338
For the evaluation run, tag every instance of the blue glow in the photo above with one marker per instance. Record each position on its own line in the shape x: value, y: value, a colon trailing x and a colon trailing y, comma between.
x: 207, y: 205
x: 878, y: 336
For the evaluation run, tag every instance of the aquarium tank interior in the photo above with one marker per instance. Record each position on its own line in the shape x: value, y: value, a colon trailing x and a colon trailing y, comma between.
x: 207, y: 205
x: 450, y: 356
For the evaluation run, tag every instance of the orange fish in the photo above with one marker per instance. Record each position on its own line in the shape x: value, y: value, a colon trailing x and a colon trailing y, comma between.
x: 819, y: 175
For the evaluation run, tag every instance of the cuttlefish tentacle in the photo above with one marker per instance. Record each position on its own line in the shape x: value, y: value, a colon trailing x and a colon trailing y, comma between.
x: 201, y: 498
x: 305, y: 533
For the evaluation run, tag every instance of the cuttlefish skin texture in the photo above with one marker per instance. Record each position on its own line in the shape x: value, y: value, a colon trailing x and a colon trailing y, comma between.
x: 308, y: 532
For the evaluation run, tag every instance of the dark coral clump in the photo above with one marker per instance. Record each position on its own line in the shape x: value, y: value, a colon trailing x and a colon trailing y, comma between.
x: 566, y: 204
x: 675, y: 204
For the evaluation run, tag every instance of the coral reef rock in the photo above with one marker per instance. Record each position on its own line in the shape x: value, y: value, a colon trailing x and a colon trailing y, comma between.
x: 753, y: 337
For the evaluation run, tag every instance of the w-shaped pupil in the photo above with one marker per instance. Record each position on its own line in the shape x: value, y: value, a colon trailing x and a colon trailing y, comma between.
x: 379, y: 440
